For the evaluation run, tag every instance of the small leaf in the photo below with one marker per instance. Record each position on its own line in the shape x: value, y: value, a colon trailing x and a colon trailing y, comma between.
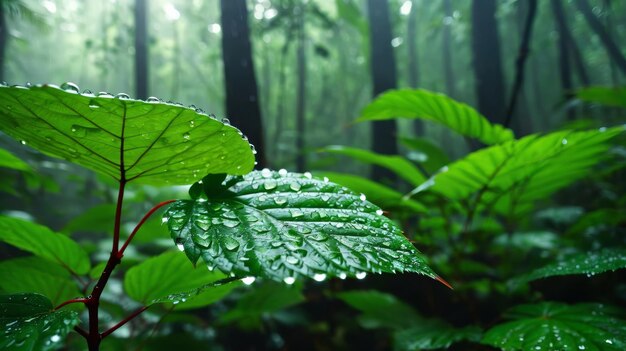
x: 281, y: 225
x: 557, y: 326
x: 399, y: 165
x: 150, y: 142
x: 435, y: 107
x: 8, y: 160
x: 170, y: 277
x: 588, y: 263
x: 27, y: 323
x: 42, y: 242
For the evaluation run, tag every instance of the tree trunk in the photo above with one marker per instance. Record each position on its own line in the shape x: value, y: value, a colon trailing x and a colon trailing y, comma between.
x: 614, y: 52
x: 486, y: 60
x: 301, y: 93
x: 141, y: 50
x: 242, y: 105
x: 4, y: 36
x: 447, y: 53
x: 565, y: 70
x: 411, y: 36
x: 383, y: 68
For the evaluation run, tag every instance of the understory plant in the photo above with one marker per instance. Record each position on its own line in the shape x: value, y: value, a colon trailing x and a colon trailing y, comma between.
x: 241, y: 224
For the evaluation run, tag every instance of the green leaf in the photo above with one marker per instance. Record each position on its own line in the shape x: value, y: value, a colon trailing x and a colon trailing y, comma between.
x: 38, y: 275
x: 399, y: 165
x: 380, y: 310
x: 281, y: 225
x: 28, y: 323
x: 150, y: 142
x: 42, y: 242
x: 433, y: 334
x: 588, y: 263
x: 383, y: 196
x: 557, y: 326
x: 608, y: 96
x: 423, y: 104
x: 8, y: 160
x: 266, y: 298
x: 544, y: 240
x: 511, y: 176
x: 429, y: 155
x: 97, y: 219
x: 170, y: 277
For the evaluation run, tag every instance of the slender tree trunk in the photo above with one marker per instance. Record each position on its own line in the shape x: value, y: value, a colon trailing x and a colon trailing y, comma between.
x: 448, y: 71
x: 383, y: 78
x: 486, y: 61
x: 411, y: 36
x: 609, y: 28
x: 280, y: 101
x: 141, y: 50
x: 565, y: 70
x: 301, y: 94
x: 614, y: 51
x: 4, y: 36
x: 242, y: 105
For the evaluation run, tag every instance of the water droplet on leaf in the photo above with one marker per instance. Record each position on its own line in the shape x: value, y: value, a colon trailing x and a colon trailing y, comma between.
x: 289, y: 280
x: 248, y: 280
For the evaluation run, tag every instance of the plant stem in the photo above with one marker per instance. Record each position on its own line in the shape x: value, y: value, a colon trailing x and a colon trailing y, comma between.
x: 81, y: 299
x: 124, y: 321
x: 118, y: 217
x: 145, y: 217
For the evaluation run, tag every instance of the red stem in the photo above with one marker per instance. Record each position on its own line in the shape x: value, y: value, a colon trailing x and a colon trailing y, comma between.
x: 145, y: 218
x: 80, y: 299
x: 124, y: 321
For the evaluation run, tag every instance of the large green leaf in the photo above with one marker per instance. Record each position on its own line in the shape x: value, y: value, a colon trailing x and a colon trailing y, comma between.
x: 148, y: 141
x: 435, y: 107
x: 281, y: 225
x: 37, y: 275
x: 383, y: 196
x: 8, y: 160
x: 512, y: 175
x: 399, y: 165
x: 609, y: 96
x: 41, y: 241
x: 557, y: 326
x: 170, y: 277
x: 27, y: 323
x: 588, y: 263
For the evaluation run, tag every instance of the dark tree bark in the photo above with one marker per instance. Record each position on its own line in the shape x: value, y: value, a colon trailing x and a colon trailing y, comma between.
x: 614, y: 52
x: 565, y: 70
x: 521, y: 60
x: 411, y: 35
x: 448, y: 71
x: 141, y: 50
x: 383, y: 78
x: 301, y: 93
x: 242, y: 105
x: 4, y: 36
x: 486, y: 60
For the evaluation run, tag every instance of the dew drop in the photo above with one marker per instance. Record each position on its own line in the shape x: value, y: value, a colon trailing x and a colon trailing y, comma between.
x: 360, y: 275
x: 295, y: 186
x: 308, y: 175
x: 186, y: 136
x: 55, y: 338
x: 164, y: 220
x: 210, y: 267
x: 192, y: 124
x: 122, y: 96
x: 180, y: 247
x: 23, y: 142
x: 248, y: 280
x: 266, y: 173
x: 342, y: 276
x: 326, y: 180
x: 379, y: 212
x: 289, y: 280
x: 319, y: 277
x: 226, y: 121
x: 280, y: 200
x: 282, y: 172
x: 292, y: 260
x: 231, y: 244
x: 362, y: 197
x: 270, y: 184
x: 564, y: 142
x: 153, y: 99
x: 70, y: 87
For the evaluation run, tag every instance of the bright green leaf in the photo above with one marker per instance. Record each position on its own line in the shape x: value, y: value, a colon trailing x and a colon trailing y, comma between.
x: 8, y: 160
x: 588, y: 263
x: 557, y: 326
x: 435, y: 107
x: 43, y: 242
x: 399, y: 165
x: 151, y: 142
x: 37, y: 275
x: 28, y: 323
x: 170, y: 277
x: 281, y: 225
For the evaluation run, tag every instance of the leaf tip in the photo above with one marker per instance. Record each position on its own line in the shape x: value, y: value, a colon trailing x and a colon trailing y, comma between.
x: 442, y: 281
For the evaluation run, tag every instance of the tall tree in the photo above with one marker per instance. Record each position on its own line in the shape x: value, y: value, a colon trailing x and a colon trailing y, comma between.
x: 383, y: 68
x: 301, y: 94
x: 486, y: 60
x: 565, y: 70
x: 447, y: 52
x: 595, y: 24
x: 141, y: 50
x: 242, y: 105
x: 411, y: 35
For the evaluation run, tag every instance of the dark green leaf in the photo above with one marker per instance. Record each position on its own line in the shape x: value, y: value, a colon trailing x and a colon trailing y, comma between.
x: 381, y: 310
x: 430, y: 156
x: 281, y: 225
x: 435, y: 107
x: 161, y: 142
x: 608, y: 96
x: 42, y: 242
x: 557, y: 326
x: 28, y: 323
x: 403, y: 168
x: 588, y: 263
x: 8, y: 160
x: 433, y: 334
x: 170, y: 277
